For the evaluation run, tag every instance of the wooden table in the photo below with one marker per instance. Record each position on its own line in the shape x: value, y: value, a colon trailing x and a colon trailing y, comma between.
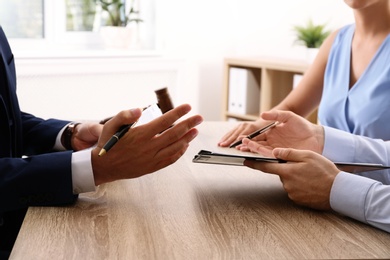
x: 194, y: 211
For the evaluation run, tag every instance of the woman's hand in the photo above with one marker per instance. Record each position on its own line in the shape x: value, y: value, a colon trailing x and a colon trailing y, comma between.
x: 292, y: 131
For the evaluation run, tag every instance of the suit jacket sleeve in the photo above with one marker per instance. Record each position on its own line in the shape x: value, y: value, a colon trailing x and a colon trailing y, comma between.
x: 39, y: 135
x: 42, y: 180
x: 44, y: 176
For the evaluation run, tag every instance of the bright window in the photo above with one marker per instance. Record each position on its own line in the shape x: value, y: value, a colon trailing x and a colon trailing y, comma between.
x: 80, y: 15
x: 22, y: 19
x: 74, y: 24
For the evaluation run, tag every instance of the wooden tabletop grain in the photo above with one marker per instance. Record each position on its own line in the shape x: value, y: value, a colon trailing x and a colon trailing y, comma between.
x: 195, y: 211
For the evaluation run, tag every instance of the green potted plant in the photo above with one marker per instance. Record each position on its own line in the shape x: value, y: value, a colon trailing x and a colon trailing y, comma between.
x: 116, y: 10
x: 117, y: 30
x: 311, y: 36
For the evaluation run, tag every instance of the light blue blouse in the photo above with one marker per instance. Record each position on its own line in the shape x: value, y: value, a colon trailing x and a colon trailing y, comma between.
x: 365, y: 108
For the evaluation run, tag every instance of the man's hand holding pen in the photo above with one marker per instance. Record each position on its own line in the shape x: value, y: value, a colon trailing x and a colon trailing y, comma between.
x: 143, y: 149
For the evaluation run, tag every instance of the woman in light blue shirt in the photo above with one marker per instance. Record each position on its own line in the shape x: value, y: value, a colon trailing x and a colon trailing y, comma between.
x: 360, y: 106
x: 349, y: 79
x: 350, y: 76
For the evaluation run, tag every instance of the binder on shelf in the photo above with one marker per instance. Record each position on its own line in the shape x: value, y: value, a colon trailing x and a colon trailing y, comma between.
x: 244, y: 92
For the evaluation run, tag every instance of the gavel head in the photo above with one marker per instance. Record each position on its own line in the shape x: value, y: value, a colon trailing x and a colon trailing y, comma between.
x: 164, y: 100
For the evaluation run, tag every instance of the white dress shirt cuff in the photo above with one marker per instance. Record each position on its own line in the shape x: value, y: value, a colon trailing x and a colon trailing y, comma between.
x: 82, y: 173
x: 58, y: 144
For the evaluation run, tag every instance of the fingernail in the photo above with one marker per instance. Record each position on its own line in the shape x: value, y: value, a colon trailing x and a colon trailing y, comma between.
x: 195, y: 133
x: 135, y: 111
x: 199, y: 120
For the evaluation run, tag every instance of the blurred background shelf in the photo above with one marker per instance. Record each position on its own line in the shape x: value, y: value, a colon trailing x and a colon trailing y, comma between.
x: 275, y: 79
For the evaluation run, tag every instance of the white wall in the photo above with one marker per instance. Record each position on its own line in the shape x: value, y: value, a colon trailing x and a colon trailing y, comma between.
x: 94, y: 88
x: 205, y: 31
x: 199, y: 34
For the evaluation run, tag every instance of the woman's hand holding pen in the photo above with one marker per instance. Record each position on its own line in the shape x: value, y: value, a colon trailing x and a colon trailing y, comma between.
x: 143, y: 149
x: 239, y: 132
x: 293, y: 131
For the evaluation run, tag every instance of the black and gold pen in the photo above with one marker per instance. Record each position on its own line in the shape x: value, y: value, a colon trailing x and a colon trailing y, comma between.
x: 148, y: 113
x: 256, y: 133
x: 115, y: 138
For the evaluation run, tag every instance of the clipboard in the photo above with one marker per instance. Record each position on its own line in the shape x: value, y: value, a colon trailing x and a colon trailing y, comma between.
x: 209, y: 157
x: 205, y: 156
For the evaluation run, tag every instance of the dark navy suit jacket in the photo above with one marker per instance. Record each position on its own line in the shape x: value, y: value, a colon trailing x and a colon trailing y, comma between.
x: 43, y: 177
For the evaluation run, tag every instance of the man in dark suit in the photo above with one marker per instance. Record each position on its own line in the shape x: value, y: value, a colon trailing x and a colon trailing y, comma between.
x: 39, y: 165
x: 23, y: 134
